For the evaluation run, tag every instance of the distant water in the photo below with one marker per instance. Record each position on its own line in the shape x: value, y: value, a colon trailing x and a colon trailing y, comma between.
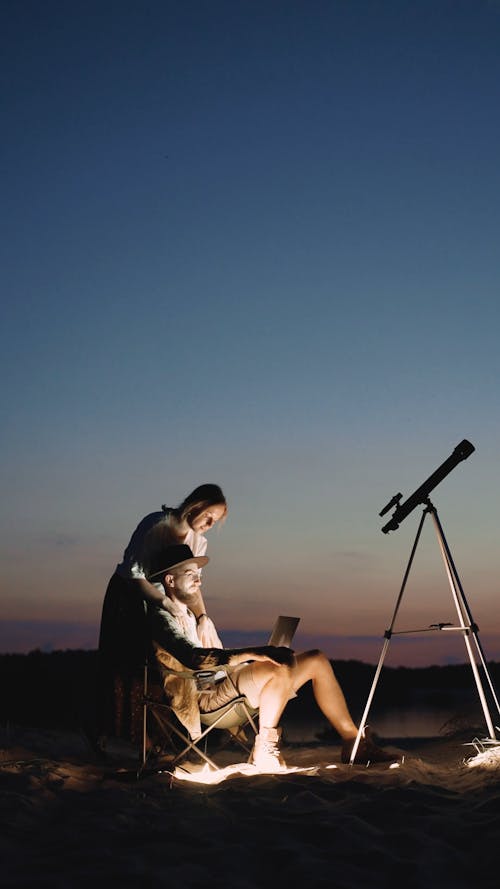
x: 414, y: 719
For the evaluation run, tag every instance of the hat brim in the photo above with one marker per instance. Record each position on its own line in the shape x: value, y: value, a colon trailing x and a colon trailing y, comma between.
x: 200, y: 561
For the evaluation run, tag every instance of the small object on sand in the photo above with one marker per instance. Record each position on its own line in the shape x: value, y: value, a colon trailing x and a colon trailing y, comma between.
x: 487, y: 754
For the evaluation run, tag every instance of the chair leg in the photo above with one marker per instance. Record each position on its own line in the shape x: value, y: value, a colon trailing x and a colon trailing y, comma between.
x: 170, y: 729
x: 162, y: 715
x: 166, y: 730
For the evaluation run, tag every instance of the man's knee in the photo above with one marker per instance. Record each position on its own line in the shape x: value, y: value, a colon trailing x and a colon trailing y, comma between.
x: 323, y: 661
x: 315, y: 660
x: 315, y: 654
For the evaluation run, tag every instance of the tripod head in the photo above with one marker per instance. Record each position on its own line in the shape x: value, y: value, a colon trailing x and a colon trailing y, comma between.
x: 461, y: 452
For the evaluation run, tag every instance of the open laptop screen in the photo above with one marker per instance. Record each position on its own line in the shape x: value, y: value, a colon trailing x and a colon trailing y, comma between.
x: 283, y: 630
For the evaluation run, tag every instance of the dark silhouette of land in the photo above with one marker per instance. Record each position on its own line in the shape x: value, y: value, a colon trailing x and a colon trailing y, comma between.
x: 57, y: 689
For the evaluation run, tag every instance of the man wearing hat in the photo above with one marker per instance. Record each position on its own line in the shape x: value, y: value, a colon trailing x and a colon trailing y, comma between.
x: 267, y: 675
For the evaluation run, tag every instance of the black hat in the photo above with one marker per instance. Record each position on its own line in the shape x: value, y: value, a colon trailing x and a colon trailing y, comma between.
x: 172, y: 557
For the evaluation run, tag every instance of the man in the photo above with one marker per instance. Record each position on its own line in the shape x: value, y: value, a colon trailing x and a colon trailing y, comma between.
x: 268, y: 676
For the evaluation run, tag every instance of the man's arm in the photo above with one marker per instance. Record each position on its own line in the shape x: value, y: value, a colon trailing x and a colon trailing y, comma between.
x: 197, y: 606
x: 275, y: 654
x: 167, y: 633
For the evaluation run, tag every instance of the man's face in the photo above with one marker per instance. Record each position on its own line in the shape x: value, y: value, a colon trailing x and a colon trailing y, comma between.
x: 186, y: 581
x: 208, y: 518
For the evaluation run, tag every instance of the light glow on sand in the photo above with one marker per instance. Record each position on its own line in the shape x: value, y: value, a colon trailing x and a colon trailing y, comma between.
x: 207, y: 775
x: 487, y: 753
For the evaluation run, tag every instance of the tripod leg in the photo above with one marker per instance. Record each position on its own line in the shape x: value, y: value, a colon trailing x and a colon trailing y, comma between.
x: 388, y: 634
x: 467, y: 624
x: 485, y: 668
x: 369, y: 700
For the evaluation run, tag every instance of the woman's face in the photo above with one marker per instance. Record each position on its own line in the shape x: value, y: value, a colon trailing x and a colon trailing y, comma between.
x: 208, y: 518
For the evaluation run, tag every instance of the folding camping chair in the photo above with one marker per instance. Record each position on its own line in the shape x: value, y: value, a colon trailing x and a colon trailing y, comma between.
x: 233, y: 718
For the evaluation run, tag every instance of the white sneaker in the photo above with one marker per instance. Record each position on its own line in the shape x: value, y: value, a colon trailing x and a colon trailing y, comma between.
x: 266, y: 756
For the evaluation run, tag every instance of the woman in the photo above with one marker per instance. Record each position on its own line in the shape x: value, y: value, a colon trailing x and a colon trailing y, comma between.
x: 123, y: 639
x: 197, y: 513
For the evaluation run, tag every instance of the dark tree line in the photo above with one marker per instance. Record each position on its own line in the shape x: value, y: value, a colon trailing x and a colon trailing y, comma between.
x: 57, y: 689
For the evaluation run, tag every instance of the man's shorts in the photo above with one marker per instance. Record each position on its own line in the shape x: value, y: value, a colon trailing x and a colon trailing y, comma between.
x: 240, y: 682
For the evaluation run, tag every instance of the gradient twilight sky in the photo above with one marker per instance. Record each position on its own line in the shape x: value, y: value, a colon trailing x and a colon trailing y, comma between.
x: 252, y: 243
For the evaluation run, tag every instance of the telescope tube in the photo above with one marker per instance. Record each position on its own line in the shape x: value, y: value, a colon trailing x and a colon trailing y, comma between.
x: 461, y: 452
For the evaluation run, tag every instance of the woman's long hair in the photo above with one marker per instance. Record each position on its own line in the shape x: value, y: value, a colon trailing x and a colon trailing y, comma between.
x: 198, y: 500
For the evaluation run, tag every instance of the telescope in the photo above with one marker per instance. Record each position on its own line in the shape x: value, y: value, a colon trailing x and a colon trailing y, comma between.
x: 466, y: 625
x: 461, y: 452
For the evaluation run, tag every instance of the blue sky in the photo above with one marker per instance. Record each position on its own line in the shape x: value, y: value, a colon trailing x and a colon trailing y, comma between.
x: 251, y: 243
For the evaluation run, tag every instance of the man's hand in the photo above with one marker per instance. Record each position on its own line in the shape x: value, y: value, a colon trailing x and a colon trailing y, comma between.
x: 279, y: 655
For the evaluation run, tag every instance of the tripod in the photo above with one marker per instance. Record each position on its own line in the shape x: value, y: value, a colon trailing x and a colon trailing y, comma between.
x: 466, y: 627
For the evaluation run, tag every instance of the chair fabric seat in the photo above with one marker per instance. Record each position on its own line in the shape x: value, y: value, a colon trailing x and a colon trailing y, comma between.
x: 229, y: 715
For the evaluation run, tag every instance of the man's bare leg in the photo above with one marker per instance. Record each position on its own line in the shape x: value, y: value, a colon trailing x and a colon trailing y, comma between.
x: 277, y: 684
x: 315, y: 666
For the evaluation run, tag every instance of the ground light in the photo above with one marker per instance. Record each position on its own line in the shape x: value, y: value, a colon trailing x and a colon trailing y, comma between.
x: 208, y: 775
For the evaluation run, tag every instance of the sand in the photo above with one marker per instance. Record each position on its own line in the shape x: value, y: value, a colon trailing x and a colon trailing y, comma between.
x: 70, y: 821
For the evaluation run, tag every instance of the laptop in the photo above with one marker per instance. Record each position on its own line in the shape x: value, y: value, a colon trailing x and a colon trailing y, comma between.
x: 282, y: 634
x: 284, y: 630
